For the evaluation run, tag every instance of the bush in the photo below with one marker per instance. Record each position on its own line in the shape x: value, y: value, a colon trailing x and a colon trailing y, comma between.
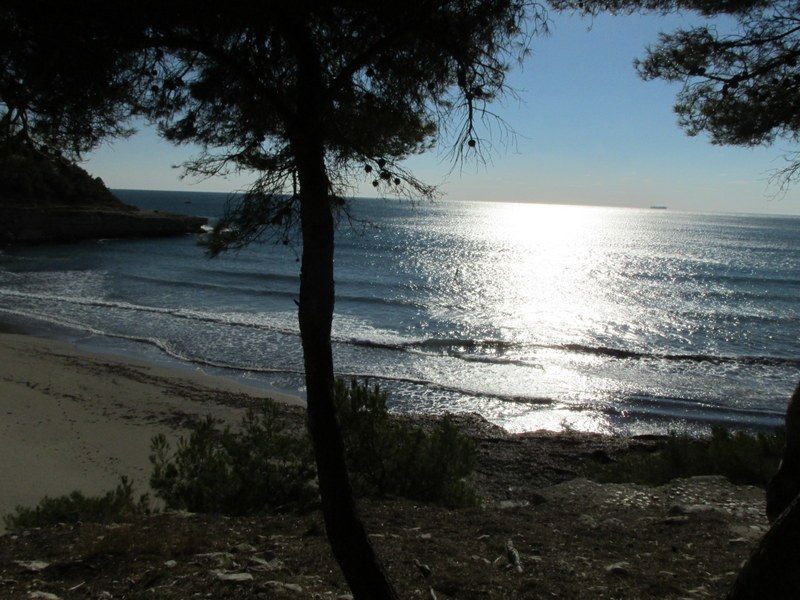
x: 234, y: 473
x: 116, y: 505
x: 260, y: 466
x: 744, y: 458
x: 386, y: 456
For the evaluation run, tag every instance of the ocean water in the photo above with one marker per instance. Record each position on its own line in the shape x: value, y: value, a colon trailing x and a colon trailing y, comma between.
x: 536, y: 316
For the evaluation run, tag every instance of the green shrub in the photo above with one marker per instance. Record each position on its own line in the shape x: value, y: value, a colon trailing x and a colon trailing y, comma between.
x: 744, y: 458
x: 116, y: 505
x: 234, y: 473
x: 386, y: 456
x: 260, y: 466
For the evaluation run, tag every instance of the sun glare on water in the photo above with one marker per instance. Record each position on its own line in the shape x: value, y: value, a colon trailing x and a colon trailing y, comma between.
x: 546, y: 270
x: 539, y: 277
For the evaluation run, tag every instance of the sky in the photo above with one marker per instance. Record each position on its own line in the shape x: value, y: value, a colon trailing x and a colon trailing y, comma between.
x: 587, y: 129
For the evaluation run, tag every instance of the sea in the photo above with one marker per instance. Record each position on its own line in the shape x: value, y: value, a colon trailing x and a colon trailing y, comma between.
x: 614, y: 320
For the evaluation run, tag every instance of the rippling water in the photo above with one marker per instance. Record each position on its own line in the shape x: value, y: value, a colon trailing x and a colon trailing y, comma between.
x: 601, y: 319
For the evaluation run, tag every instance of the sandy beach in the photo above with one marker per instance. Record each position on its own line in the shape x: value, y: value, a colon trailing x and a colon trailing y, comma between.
x: 73, y: 420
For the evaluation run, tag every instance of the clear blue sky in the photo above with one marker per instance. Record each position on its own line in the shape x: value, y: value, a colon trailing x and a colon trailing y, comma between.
x: 589, y: 131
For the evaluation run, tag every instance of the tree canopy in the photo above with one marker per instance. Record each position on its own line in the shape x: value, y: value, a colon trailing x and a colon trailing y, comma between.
x: 58, y: 90
x: 740, y: 76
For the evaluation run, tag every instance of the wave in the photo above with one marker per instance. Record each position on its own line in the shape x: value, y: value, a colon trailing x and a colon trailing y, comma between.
x: 432, y: 385
x: 696, y: 410
x: 735, y: 296
x: 739, y: 317
x: 224, y: 319
x: 698, y: 358
x: 172, y: 352
x: 472, y: 344
x: 737, y: 279
x: 161, y: 345
x: 215, y: 286
x: 73, y: 325
x: 624, y: 409
x: 378, y: 301
x: 436, y: 346
x: 260, y: 276
x: 271, y: 292
x: 179, y: 313
x: 473, y: 349
x: 491, y: 351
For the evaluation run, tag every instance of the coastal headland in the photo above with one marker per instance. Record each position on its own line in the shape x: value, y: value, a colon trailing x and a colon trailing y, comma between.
x: 77, y: 420
x: 47, y: 199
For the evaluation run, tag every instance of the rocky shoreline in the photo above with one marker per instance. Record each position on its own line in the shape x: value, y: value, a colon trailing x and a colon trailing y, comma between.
x: 65, y: 224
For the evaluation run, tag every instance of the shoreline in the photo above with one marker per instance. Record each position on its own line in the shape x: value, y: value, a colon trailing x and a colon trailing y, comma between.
x: 77, y: 420
x: 123, y: 348
x: 612, y: 422
x: 24, y: 225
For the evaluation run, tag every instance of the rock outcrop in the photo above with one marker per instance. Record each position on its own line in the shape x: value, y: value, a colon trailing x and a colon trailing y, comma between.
x: 46, y: 199
x: 58, y: 224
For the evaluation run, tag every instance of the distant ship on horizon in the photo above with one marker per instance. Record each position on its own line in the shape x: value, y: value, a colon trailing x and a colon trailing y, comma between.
x: 658, y: 207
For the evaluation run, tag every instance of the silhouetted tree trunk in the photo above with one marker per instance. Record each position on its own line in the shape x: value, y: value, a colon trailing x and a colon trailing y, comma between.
x: 348, y: 539
x: 785, y: 486
x: 773, y: 570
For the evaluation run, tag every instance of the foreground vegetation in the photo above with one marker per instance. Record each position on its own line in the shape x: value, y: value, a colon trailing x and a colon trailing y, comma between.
x: 262, y: 466
x: 744, y: 458
x: 119, y: 504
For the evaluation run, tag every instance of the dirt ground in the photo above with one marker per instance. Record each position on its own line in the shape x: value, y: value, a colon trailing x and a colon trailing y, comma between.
x: 573, y: 538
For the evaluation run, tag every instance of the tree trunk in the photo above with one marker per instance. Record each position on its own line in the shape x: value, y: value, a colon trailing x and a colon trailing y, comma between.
x: 773, y: 569
x: 785, y: 485
x: 351, y: 547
